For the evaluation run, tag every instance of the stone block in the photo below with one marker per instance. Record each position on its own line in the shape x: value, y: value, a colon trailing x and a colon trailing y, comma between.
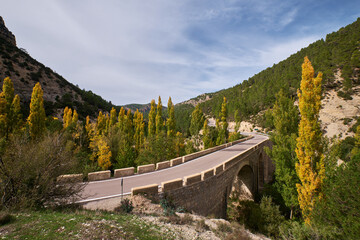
x: 218, y: 169
x: 162, y: 165
x: 207, y: 174
x: 146, y: 190
x: 192, y: 179
x: 123, y: 172
x: 101, y: 175
x: 146, y: 168
x: 176, y: 161
x: 173, y: 184
x: 70, y: 178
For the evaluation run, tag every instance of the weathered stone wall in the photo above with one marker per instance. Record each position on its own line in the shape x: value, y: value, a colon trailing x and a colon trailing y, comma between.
x: 209, y: 196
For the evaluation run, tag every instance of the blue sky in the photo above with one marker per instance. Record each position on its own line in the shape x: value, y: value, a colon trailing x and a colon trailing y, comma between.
x: 135, y: 50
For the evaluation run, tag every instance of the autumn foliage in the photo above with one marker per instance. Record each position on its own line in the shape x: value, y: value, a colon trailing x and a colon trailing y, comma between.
x: 309, y: 150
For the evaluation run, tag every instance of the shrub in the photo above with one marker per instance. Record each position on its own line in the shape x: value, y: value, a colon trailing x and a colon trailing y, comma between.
x: 126, y: 206
x: 29, y: 169
x: 5, y: 218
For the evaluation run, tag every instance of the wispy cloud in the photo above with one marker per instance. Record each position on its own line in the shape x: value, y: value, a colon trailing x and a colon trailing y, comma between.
x: 133, y: 51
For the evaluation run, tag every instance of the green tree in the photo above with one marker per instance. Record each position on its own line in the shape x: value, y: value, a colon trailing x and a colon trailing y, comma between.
x: 309, y: 149
x: 286, y: 119
x: 207, y: 140
x: 36, y: 119
x: 197, y: 121
x: 223, y: 125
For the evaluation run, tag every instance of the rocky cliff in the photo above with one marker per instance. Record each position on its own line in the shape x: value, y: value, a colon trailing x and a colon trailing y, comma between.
x: 5, y: 33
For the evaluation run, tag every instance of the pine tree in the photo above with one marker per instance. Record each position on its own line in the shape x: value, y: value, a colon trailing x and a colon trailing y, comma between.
x: 152, y: 117
x: 36, y: 119
x: 309, y: 150
x: 170, y: 123
x: 159, y: 119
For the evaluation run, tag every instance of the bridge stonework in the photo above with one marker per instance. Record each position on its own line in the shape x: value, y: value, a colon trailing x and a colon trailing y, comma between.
x: 209, y: 195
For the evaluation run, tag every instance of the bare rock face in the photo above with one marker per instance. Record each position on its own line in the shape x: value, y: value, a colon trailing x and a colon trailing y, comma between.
x: 5, y: 33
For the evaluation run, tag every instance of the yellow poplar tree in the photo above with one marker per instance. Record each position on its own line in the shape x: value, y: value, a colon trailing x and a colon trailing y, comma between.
x: 159, y: 120
x: 112, y: 117
x: 170, y: 123
x: 139, y: 130
x: 121, y: 119
x: 36, y: 119
x: 309, y: 149
x: 10, y: 116
x: 75, y: 117
x: 100, y: 123
x: 152, y: 117
x: 104, y: 154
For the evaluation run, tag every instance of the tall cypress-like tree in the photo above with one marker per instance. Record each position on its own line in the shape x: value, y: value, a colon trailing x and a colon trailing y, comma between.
x: 152, y: 117
x: 309, y: 150
x: 10, y: 116
x: 197, y: 121
x: 170, y: 123
x: 223, y: 132
x: 286, y: 119
x: 112, y: 121
x: 159, y: 119
x: 36, y: 119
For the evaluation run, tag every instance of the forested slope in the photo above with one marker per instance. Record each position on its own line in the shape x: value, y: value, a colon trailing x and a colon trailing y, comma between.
x: 339, y: 51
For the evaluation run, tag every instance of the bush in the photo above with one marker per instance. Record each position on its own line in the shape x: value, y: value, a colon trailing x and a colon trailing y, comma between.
x: 126, y: 206
x: 5, y: 218
x: 29, y: 169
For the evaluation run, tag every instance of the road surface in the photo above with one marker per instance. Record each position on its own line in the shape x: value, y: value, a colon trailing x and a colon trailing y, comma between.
x: 112, y: 187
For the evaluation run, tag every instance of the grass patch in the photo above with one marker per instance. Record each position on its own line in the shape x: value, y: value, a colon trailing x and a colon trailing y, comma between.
x: 79, y: 224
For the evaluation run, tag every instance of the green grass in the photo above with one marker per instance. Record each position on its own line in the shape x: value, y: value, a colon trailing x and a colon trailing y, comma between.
x: 79, y: 224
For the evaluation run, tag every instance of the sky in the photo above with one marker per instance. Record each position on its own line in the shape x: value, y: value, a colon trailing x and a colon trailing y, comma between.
x: 132, y: 51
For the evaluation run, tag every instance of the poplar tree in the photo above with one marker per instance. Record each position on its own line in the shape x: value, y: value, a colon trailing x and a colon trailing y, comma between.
x: 10, y: 116
x: 139, y: 130
x: 36, y: 119
x: 286, y: 119
x: 159, y: 120
x: 121, y: 119
x: 309, y: 150
x: 112, y: 117
x: 75, y: 117
x: 197, y: 121
x: 100, y: 123
x: 170, y: 123
x: 206, y: 136
x: 152, y: 117
x: 223, y: 132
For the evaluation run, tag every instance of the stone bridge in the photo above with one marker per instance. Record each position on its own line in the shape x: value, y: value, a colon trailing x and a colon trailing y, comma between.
x: 200, y: 182
x: 245, y: 173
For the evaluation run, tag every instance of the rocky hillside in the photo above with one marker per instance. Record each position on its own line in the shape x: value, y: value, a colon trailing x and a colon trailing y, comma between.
x: 25, y: 72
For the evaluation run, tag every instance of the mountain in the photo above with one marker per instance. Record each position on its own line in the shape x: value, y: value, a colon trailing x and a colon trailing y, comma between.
x: 25, y: 72
x: 337, y: 57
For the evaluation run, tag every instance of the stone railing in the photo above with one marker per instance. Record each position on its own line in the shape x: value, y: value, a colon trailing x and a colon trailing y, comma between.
x: 124, y: 172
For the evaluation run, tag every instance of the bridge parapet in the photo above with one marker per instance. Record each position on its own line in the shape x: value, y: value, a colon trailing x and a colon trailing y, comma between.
x: 206, y: 193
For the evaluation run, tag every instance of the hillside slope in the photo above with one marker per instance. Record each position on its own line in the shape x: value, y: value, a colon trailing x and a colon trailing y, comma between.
x: 25, y: 72
x: 338, y: 57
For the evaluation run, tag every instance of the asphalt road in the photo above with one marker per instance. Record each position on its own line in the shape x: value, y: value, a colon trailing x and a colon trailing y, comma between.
x: 112, y: 187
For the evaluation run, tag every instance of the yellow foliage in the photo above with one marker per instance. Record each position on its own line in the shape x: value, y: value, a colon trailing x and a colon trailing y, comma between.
x: 36, y: 119
x: 310, y: 169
